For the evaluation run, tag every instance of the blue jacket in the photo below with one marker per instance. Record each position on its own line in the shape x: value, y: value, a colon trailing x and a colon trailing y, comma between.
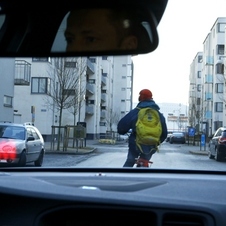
x: 129, y: 122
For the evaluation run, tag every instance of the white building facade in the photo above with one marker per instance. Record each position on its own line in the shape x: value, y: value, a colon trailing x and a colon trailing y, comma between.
x: 106, y: 84
x: 7, y: 72
x: 208, y: 79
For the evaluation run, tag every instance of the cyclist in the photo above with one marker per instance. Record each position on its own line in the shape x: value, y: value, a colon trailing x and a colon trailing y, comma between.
x: 129, y: 122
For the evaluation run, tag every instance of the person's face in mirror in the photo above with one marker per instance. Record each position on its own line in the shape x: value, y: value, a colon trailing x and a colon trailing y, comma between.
x: 98, y: 30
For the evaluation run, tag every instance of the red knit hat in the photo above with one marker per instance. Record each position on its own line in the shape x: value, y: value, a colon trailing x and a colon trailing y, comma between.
x: 145, y: 94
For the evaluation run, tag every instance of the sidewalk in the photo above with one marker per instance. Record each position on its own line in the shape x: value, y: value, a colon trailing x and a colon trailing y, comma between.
x: 195, y: 149
x: 89, y: 147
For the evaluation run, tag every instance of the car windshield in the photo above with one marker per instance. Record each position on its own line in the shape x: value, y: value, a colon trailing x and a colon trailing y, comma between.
x: 12, y: 132
x: 86, y: 108
x: 223, y: 134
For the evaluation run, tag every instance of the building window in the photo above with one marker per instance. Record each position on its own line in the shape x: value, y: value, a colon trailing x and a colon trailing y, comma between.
x: 123, y: 77
x: 221, y: 27
x: 90, y: 101
x: 219, y: 107
x: 105, y: 74
x: 104, y: 57
x: 69, y: 92
x: 22, y: 72
x: 41, y: 59
x: 220, y: 49
x: 199, y: 59
x: 217, y: 125
x: 93, y: 60
x: 199, y: 74
x: 123, y: 101
x: 91, y: 81
x: 123, y: 89
x: 8, y: 101
x: 199, y: 87
x: 70, y: 64
x: 220, y: 68
x: 40, y: 85
x: 219, y: 87
x: 102, y: 123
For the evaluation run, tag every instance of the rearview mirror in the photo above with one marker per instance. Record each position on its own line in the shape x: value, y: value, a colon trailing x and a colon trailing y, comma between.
x: 80, y: 30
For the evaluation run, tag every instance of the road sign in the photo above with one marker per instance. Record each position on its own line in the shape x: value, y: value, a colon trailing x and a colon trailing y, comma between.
x: 203, y: 140
x: 191, y: 131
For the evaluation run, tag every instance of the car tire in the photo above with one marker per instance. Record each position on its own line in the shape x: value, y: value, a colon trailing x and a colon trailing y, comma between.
x: 23, y: 159
x: 39, y: 161
x: 218, y: 157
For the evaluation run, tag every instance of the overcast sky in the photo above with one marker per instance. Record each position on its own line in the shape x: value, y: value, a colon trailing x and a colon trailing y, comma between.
x: 182, y: 32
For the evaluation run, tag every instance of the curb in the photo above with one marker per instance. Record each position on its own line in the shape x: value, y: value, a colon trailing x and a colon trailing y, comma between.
x: 199, y: 152
x: 80, y: 151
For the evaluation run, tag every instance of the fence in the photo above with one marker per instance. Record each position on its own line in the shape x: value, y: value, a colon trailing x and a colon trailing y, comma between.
x: 67, y: 136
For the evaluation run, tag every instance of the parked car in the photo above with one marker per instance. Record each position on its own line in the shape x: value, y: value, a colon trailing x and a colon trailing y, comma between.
x: 21, y: 144
x: 177, y: 137
x: 168, y: 137
x: 217, y: 145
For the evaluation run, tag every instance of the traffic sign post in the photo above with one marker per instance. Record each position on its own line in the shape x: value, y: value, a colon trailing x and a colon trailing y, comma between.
x: 191, y: 133
x: 203, y: 142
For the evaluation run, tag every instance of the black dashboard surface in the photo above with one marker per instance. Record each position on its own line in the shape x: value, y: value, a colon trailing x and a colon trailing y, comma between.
x: 112, y: 197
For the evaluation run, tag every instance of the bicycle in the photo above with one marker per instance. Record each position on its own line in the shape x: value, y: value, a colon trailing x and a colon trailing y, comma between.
x: 140, y: 162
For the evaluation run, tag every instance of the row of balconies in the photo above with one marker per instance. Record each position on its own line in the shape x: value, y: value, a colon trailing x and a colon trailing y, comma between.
x: 90, y: 109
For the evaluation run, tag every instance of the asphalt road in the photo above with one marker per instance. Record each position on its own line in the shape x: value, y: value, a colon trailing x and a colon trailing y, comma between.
x: 170, y: 156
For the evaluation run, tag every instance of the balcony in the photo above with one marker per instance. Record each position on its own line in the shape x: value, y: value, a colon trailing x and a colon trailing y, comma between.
x: 208, y: 96
x: 209, y: 60
x: 22, y: 72
x: 103, y: 97
x: 208, y: 114
x: 90, y: 109
x: 103, y: 113
x: 103, y: 80
x: 209, y: 79
x: 90, y: 67
x: 89, y: 89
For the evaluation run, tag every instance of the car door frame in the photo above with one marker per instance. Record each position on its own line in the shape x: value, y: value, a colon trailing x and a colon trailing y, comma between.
x: 33, y: 146
x: 214, y: 141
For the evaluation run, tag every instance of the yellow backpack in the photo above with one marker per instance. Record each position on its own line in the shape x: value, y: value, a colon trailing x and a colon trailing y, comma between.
x: 148, y: 127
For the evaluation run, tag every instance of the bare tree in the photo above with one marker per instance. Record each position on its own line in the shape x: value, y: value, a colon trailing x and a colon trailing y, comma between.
x: 80, y: 92
x: 113, y: 118
x: 64, y: 88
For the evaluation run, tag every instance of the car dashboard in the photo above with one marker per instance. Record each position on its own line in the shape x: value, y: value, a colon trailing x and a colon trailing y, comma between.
x: 47, y: 197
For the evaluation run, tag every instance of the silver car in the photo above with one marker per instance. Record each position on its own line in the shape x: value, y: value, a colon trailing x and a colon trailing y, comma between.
x: 21, y: 144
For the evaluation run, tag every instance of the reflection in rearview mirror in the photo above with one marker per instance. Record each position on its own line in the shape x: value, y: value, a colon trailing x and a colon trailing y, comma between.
x: 99, y: 30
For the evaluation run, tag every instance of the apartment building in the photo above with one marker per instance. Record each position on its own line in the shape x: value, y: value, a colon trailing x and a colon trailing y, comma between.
x: 195, y: 93
x: 7, y: 71
x: 207, y: 82
x: 176, y: 115
x: 103, y: 93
